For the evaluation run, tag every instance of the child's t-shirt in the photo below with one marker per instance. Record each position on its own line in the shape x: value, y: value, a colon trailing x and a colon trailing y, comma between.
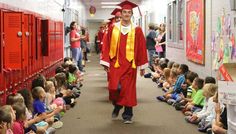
x: 39, y: 107
x: 178, y: 83
x: 18, y: 127
x: 191, y: 92
x: 199, y: 99
x: 71, y: 78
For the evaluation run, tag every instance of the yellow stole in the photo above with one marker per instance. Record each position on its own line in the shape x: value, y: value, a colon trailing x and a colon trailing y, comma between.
x: 115, y: 44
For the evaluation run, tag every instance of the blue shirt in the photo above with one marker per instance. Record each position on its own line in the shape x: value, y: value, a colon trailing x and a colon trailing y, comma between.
x: 178, y: 83
x: 39, y: 107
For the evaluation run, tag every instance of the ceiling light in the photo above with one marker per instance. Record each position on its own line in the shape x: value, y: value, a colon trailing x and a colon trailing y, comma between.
x: 110, y: 3
x: 109, y: 6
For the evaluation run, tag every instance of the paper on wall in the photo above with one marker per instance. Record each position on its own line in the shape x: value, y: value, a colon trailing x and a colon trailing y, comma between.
x: 213, y: 43
x: 227, y: 92
x: 226, y: 54
x: 215, y: 63
x: 218, y: 29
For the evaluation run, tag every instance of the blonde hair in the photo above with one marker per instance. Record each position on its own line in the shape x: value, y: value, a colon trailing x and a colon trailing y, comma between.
x: 173, y: 73
x: 49, y: 85
x: 209, y: 89
x: 167, y: 73
x: 14, y: 98
x: 176, y: 65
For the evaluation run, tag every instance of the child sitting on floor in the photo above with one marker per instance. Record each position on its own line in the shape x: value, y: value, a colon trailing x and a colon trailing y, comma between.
x: 198, y: 100
x: 189, y: 87
x: 208, y: 92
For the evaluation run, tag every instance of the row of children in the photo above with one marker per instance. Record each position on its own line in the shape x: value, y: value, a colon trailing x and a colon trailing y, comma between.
x: 40, y: 109
x: 186, y: 91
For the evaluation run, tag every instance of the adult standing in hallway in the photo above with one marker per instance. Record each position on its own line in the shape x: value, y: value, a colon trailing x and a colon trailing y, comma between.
x: 75, y: 44
x: 124, y: 52
x: 161, y: 39
x: 150, y: 42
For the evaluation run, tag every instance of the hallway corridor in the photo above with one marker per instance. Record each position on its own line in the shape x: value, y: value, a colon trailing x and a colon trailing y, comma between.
x: 92, y: 114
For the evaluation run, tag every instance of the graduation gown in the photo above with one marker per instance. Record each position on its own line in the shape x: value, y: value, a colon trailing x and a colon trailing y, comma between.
x: 125, y: 75
x: 100, y: 38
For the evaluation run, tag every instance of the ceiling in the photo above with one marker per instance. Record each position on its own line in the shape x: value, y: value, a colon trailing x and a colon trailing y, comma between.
x: 98, y: 5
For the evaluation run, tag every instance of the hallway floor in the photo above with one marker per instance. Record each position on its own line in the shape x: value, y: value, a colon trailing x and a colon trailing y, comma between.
x: 92, y: 114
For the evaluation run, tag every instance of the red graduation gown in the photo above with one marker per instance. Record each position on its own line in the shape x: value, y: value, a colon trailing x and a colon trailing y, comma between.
x: 100, y: 37
x: 124, y: 75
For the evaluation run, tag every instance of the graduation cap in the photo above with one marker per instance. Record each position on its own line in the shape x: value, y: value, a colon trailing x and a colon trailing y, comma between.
x: 111, y: 19
x: 116, y: 12
x: 128, y: 5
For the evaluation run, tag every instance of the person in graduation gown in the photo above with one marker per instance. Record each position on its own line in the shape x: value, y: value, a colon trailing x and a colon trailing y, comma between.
x: 100, y: 35
x: 124, y: 54
x: 117, y: 13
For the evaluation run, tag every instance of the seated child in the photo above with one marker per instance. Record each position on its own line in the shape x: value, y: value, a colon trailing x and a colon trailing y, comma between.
x: 18, y: 124
x: 198, y: 100
x: 166, y: 82
x: 220, y: 125
x: 6, y: 119
x: 209, y: 91
x: 189, y: 86
x: 40, y: 107
x: 177, y: 90
x: 171, y: 80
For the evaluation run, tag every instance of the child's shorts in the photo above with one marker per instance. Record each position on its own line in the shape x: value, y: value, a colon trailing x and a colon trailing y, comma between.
x: 175, y: 96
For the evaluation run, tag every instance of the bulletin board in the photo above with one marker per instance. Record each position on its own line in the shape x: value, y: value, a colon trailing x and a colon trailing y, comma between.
x: 195, y: 31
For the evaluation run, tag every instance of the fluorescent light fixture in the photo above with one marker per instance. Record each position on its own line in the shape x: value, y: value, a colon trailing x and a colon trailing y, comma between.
x: 110, y: 3
x: 110, y: 6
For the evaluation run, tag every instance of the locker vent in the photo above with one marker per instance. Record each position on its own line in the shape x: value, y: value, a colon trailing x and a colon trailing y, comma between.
x: 14, y: 57
x: 14, y: 22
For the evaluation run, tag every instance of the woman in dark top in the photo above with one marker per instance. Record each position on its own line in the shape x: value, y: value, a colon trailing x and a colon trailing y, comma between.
x: 162, y: 41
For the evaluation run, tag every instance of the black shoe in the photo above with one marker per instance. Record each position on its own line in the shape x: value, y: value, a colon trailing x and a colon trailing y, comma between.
x: 128, y: 121
x: 116, y: 111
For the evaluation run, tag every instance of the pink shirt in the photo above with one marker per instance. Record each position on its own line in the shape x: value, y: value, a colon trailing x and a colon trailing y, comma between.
x: 18, y: 127
x: 74, y: 34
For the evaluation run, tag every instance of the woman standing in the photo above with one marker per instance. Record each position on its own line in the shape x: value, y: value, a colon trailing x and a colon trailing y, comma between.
x: 75, y: 44
x: 162, y: 40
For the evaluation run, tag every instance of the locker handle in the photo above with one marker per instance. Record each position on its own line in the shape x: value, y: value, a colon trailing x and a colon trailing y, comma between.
x: 26, y: 33
x: 19, y: 33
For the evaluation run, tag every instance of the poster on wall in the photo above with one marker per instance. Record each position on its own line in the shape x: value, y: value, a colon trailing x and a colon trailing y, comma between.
x: 195, y: 31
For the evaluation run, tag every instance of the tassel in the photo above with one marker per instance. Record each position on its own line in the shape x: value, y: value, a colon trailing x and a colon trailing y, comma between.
x: 117, y: 64
x: 133, y: 64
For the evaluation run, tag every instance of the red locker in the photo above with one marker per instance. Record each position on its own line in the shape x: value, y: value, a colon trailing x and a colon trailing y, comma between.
x: 26, y: 37
x: 39, y: 56
x: 33, y: 48
x: 1, y: 42
x: 12, y: 28
x: 45, y: 37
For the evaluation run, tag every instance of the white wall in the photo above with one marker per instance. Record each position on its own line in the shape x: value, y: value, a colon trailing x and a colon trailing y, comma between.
x: 213, y: 10
x: 156, y: 9
x: 93, y: 29
x: 101, y: 14
x: 53, y: 9
x: 50, y: 8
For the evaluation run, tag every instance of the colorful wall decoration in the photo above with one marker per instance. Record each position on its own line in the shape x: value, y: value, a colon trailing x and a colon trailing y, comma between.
x: 195, y: 31
x: 223, y: 41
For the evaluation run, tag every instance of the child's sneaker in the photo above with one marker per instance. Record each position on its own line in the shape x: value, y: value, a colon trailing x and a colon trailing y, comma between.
x: 171, y: 101
x: 57, y: 124
x: 160, y: 98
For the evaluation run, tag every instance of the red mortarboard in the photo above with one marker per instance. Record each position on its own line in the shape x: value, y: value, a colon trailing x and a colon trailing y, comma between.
x: 111, y: 19
x: 116, y: 12
x: 128, y: 5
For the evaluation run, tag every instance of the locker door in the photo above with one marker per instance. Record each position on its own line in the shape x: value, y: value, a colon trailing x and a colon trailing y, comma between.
x: 12, y: 28
x: 2, y: 81
x: 33, y: 45
x: 26, y: 38
x: 1, y: 42
x: 39, y: 56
